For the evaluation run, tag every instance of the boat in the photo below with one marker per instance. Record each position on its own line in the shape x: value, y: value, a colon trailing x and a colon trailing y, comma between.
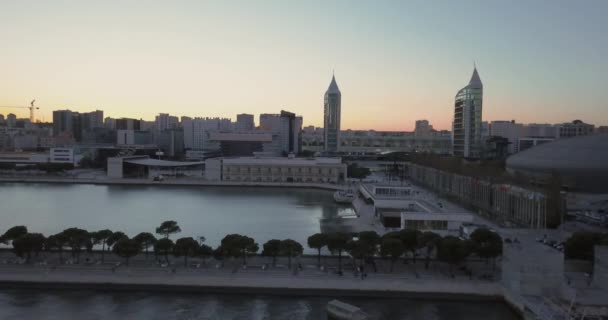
x: 344, y: 196
x: 338, y: 310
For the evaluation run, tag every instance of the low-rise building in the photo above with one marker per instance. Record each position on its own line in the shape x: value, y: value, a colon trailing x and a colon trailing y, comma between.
x: 276, y: 169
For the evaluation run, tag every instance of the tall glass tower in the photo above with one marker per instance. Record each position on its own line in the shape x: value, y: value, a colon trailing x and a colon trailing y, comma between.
x: 331, y: 116
x: 467, y: 119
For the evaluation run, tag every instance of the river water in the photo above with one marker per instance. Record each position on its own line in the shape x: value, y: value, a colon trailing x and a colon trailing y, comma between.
x: 28, y: 304
x: 212, y: 212
x: 262, y: 213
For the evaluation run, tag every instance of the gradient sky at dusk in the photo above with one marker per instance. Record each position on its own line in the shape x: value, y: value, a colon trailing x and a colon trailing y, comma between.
x: 395, y: 61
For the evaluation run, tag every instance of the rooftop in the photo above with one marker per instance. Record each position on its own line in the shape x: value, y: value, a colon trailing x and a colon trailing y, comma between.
x: 282, y: 161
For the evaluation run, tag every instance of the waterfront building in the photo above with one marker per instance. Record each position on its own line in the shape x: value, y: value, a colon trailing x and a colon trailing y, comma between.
x: 331, y: 117
x: 506, y: 204
x: 244, y: 122
x: 275, y: 169
x: 467, y: 129
x: 357, y: 141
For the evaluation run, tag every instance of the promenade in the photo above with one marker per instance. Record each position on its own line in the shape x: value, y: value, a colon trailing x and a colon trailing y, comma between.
x: 408, y: 280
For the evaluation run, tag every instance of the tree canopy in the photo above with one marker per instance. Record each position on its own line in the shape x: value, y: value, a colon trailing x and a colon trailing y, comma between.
x: 392, y: 247
x: 272, y: 248
x: 185, y: 247
x: 126, y: 248
x: 13, y: 233
x: 290, y: 248
x: 168, y: 228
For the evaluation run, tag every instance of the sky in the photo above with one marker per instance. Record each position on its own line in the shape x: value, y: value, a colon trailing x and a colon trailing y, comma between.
x: 541, y: 61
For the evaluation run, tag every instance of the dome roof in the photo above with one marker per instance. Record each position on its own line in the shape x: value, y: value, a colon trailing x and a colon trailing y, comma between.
x: 583, y: 159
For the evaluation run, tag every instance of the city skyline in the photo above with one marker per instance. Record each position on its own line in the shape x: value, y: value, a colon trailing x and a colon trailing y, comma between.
x: 219, y: 59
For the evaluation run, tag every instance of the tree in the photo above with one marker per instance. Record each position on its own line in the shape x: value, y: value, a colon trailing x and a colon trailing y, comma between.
x: 163, y: 247
x: 393, y: 248
x: 114, y: 237
x: 317, y: 241
x: 357, y: 249
x: 185, y: 247
x: 13, y: 233
x: 56, y: 241
x: 101, y: 237
x: 126, y: 248
x: 76, y: 239
x: 236, y: 245
x: 429, y: 240
x: 486, y: 244
x: 372, y: 239
x: 290, y: 248
x: 168, y: 228
x: 204, y: 251
x: 452, y: 251
x: 145, y: 241
x: 337, y: 242
x: 272, y: 248
x: 581, y: 244
x: 410, y: 237
x: 25, y: 244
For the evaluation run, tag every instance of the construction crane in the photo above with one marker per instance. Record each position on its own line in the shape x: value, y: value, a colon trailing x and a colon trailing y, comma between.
x: 31, y: 107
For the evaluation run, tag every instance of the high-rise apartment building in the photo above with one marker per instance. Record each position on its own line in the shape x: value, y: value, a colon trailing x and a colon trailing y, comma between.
x: 331, y: 116
x: 165, y: 121
x: 286, y: 128
x: 63, y: 122
x: 244, y: 122
x: 467, y: 119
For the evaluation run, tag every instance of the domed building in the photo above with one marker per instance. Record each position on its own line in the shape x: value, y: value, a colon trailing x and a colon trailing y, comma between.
x: 581, y: 162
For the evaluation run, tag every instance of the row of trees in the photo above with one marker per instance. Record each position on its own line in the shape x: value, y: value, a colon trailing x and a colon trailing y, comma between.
x: 362, y: 247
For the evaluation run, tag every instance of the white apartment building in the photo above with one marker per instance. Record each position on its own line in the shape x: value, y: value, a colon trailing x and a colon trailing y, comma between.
x: 196, y: 132
x: 276, y: 169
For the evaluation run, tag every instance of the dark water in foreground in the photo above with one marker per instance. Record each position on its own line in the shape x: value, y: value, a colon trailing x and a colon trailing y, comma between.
x: 90, y: 305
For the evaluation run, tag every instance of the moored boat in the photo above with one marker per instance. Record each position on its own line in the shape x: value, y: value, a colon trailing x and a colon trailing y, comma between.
x: 344, y: 196
x: 338, y: 310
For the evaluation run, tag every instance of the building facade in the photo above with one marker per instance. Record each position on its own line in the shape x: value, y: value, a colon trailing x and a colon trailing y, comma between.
x: 332, y: 106
x: 244, y: 122
x: 275, y: 169
x: 286, y: 129
x: 467, y: 129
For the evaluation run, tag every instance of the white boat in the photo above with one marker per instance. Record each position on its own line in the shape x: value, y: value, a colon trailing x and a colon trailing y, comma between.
x: 338, y: 310
x: 344, y: 196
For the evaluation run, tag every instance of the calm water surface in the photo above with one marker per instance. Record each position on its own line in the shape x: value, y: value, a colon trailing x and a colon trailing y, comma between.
x: 213, y: 212
x: 27, y: 304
